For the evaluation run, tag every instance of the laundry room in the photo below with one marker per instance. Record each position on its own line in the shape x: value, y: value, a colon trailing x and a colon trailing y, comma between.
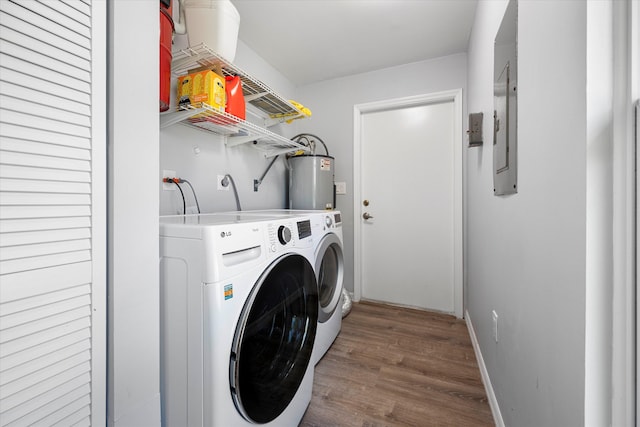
x: 378, y: 212
x: 339, y: 102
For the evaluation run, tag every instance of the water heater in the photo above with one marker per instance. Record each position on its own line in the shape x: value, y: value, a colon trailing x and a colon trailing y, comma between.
x: 311, y: 182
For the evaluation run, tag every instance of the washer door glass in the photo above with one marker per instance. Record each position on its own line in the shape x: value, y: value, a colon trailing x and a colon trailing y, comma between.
x: 274, y: 339
x: 330, y: 271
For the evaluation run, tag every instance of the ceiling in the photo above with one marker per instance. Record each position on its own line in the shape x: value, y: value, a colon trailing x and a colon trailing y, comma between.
x: 314, y: 40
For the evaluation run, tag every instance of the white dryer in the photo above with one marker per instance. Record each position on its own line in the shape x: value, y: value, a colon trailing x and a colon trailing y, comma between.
x: 329, y: 268
x: 239, y: 309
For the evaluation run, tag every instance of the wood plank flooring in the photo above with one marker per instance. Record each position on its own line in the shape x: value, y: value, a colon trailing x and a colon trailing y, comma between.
x: 393, y: 366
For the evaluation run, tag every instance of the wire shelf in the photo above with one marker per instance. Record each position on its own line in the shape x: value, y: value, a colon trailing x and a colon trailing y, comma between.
x: 236, y: 130
x: 255, y: 92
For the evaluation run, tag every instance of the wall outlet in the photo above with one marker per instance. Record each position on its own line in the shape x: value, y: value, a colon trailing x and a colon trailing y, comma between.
x: 341, y: 188
x: 222, y: 187
x: 168, y: 185
x: 494, y: 315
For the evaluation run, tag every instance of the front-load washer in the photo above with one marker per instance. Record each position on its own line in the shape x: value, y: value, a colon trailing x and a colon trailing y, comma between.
x: 239, y: 309
x: 329, y: 268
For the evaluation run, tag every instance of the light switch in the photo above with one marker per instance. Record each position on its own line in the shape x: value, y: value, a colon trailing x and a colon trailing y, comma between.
x: 341, y: 188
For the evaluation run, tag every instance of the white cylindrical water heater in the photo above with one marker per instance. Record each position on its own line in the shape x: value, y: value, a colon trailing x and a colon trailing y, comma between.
x: 311, y: 183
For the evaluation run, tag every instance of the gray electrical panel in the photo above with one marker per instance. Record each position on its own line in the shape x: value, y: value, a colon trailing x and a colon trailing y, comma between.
x: 505, y: 68
x: 475, y: 129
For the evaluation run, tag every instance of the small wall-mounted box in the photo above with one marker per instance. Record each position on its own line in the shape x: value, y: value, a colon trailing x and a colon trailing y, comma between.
x: 475, y: 129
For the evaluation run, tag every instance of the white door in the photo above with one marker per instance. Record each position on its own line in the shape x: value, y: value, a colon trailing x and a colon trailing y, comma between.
x: 409, y: 209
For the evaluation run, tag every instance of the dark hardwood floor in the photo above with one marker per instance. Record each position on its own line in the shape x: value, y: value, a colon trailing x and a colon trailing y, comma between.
x: 393, y: 366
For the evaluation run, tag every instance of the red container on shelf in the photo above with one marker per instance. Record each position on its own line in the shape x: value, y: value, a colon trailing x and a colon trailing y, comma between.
x: 235, y: 97
x: 166, y: 36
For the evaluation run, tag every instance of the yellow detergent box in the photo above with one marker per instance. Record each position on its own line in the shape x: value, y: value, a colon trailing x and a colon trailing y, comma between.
x: 204, y: 86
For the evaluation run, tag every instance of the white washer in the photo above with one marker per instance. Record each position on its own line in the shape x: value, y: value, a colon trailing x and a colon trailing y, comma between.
x: 239, y: 308
x: 329, y: 268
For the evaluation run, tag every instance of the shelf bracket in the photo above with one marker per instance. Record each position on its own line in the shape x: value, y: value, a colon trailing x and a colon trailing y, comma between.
x: 273, y: 121
x: 277, y: 152
x: 257, y: 182
x: 255, y: 96
x: 168, y: 119
x: 233, y: 141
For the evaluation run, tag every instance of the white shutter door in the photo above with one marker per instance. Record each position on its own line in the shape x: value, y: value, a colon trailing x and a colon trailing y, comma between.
x: 52, y: 294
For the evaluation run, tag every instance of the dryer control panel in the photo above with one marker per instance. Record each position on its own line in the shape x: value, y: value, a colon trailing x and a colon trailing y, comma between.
x: 333, y: 220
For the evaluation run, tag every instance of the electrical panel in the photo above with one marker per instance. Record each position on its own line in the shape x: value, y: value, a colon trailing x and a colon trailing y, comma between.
x: 505, y: 135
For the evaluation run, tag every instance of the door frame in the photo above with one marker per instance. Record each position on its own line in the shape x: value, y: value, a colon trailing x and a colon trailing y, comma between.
x: 359, y: 110
x: 99, y: 212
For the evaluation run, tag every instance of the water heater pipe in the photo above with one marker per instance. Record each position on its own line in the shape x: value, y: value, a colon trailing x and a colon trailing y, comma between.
x: 257, y: 182
x: 305, y: 135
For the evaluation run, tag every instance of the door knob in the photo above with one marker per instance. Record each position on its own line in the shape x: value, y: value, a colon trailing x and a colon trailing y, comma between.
x: 366, y: 215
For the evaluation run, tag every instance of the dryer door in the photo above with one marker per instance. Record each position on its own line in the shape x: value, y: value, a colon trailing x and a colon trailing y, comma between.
x: 329, y: 273
x: 274, y: 339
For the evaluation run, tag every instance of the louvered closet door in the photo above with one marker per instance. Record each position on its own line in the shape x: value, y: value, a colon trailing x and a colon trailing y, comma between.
x: 52, y: 221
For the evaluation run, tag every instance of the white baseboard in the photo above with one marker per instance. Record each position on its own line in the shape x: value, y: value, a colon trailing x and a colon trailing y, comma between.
x: 493, y: 402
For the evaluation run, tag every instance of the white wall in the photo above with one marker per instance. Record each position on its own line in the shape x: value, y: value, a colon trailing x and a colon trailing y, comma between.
x: 526, y: 253
x: 332, y: 102
x: 555, y: 260
x: 133, y: 360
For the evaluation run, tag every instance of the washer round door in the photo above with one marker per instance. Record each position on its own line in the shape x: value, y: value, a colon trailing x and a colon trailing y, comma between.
x: 274, y: 339
x: 330, y: 273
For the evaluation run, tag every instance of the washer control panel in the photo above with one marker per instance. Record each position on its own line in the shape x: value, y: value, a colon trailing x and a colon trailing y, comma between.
x: 289, y: 233
x: 284, y: 234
